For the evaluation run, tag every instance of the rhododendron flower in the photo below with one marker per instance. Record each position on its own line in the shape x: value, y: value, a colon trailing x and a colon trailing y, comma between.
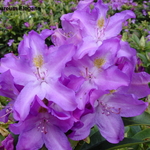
x: 110, y: 106
x: 86, y: 78
x: 41, y: 128
x: 38, y: 70
x: 94, y: 26
x: 8, y: 142
x: 10, y: 42
x: 27, y: 24
x: 97, y: 71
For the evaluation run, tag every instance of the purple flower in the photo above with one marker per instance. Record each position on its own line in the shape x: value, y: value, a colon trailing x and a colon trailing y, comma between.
x: 112, y: 104
x: 10, y: 42
x: 4, y: 113
x: 39, y: 26
x: 27, y: 24
x: 8, y: 142
x: 46, y: 129
x: 109, y: 108
x: 6, y: 2
x: 7, y: 85
x: 86, y: 78
x: 9, y: 27
x: 148, y: 38
x: 144, y: 12
x: 133, y: 21
x: 95, y: 72
x: 38, y: 70
x: 94, y: 26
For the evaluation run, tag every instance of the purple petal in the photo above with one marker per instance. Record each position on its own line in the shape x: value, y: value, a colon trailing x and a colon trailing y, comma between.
x: 58, y: 59
x: 7, y: 87
x: 18, y: 67
x: 61, y: 95
x: 8, y: 142
x: 30, y: 140
x: 125, y: 105
x: 111, y: 126
x: 55, y: 139
x: 115, y: 23
x: 24, y: 100
x: 84, y: 4
x: 139, y: 84
x: 106, y: 79
x: 80, y: 133
x: 46, y: 33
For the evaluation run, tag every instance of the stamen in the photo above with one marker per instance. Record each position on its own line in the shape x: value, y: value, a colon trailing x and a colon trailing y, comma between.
x: 43, y: 126
x: 8, y: 111
x: 40, y: 75
x: 99, y: 62
x: 100, y: 22
x: 38, y: 61
x: 100, y: 30
x: 108, y: 110
x: 112, y: 91
x: 66, y: 35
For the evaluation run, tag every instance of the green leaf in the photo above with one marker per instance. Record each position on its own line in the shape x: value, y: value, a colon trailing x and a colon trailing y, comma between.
x: 135, y: 39
x: 133, y: 130
x: 142, y: 135
x: 147, y: 46
x: 142, y: 57
x: 3, y: 100
x: 143, y: 119
x: 127, y: 142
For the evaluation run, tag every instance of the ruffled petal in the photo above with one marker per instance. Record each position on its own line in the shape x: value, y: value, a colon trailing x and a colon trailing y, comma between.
x: 80, y: 133
x: 19, y: 69
x: 125, y: 105
x: 115, y: 23
x: 139, y: 84
x: 61, y: 95
x: 25, y: 99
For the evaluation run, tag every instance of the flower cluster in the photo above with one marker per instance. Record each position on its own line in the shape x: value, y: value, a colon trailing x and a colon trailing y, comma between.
x: 117, y: 4
x: 86, y: 78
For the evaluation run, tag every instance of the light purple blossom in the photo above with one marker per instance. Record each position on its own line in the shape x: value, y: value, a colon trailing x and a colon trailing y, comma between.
x: 38, y: 71
x: 8, y: 142
x: 144, y: 12
x: 88, y: 77
x: 46, y: 129
x: 10, y: 42
x: 94, y: 26
x: 27, y: 24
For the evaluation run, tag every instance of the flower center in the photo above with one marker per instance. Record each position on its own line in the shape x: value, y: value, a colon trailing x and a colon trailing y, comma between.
x: 40, y: 75
x: 38, y: 61
x: 99, y: 62
x: 100, y: 22
x: 109, y: 110
x: 42, y: 127
x: 88, y: 75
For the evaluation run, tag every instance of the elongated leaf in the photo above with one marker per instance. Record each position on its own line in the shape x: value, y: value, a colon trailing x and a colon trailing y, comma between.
x: 132, y: 130
x: 142, y: 135
x: 127, y: 142
x: 142, y: 57
x: 135, y: 39
x: 143, y: 119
